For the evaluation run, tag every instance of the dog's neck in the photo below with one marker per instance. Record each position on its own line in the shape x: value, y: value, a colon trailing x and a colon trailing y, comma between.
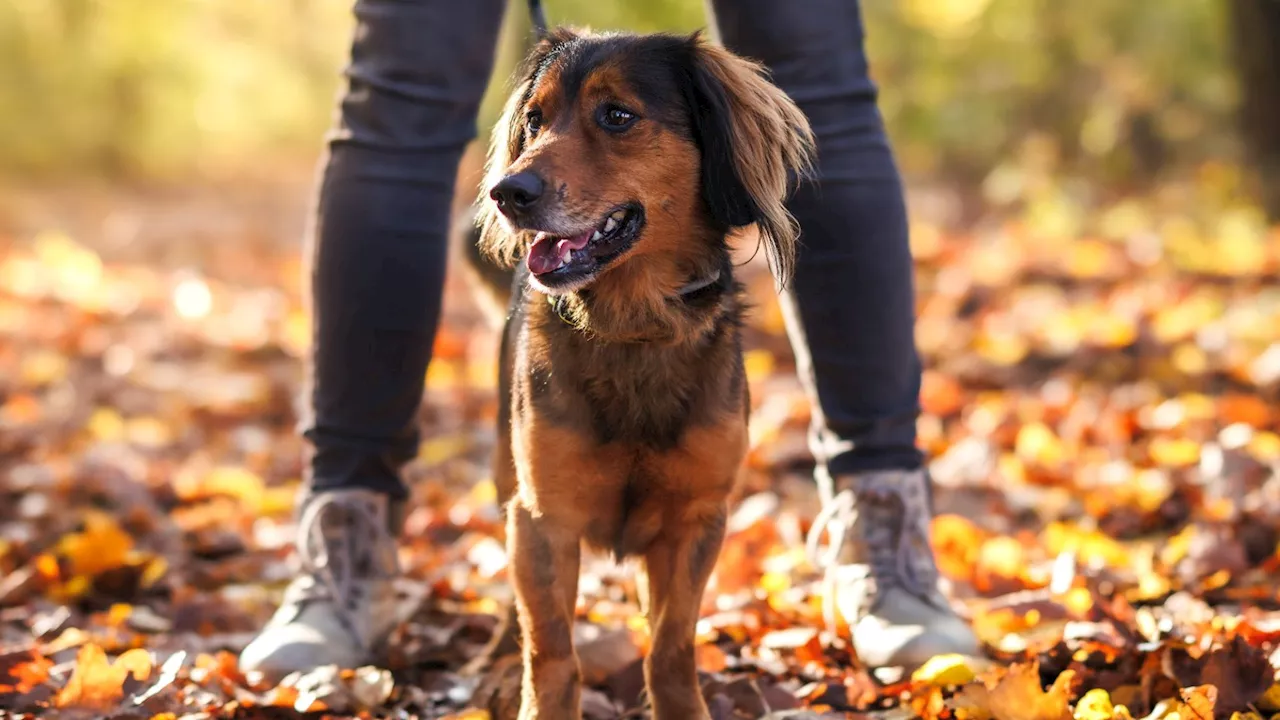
x: 636, y: 307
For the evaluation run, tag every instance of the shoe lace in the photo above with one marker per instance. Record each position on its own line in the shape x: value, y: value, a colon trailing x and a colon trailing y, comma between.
x: 867, y: 528
x: 338, y: 550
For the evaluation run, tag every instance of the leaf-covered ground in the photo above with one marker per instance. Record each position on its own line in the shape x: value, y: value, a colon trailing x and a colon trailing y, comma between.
x: 1099, y: 400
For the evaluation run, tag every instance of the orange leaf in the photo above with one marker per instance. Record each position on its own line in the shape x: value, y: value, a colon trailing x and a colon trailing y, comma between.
x: 136, y: 661
x: 94, y: 683
x: 27, y: 674
x: 1247, y: 409
x: 98, y: 683
x: 710, y: 658
x: 939, y: 394
x: 956, y: 541
x: 1018, y: 696
x: 102, y: 546
x: 1198, y: 702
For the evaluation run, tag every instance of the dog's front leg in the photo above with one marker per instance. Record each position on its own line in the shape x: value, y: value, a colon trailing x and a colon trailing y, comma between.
x: 678, y: 565
x: 545, y: 560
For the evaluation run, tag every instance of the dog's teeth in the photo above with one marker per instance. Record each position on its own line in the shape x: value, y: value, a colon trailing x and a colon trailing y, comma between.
x: 617, y: 216
x: 596, y: 235
x: 564, y: 256
x: 610, y: 224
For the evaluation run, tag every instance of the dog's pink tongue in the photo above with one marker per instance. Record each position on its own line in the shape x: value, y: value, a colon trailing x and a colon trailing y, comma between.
x: 547, y: 251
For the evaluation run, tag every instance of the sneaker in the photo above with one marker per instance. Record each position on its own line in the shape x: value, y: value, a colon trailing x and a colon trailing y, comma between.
x: 880, y: 576
x: 341, y: 606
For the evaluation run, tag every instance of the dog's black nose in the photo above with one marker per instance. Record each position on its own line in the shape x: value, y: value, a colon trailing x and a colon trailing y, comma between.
x: 517, y: 192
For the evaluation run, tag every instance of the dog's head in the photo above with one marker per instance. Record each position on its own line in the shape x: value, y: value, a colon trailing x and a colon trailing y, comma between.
x: 616, y: 147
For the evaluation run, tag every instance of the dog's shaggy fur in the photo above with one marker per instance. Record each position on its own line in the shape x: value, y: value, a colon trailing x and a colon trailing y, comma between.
x: 623, y: 407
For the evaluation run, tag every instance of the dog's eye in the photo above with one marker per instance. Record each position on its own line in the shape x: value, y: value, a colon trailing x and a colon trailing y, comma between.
x: 612, y: 117
x: 533, y: 121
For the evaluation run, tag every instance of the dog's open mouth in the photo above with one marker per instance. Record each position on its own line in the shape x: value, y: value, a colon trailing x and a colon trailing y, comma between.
x: 558, y: 260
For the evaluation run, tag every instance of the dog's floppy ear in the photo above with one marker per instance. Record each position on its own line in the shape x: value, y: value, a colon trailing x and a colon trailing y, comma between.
x: 754, y: 141
x: 507, y: 143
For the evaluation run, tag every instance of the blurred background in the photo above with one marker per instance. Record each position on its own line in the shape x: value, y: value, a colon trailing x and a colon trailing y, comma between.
x: 1095, y: 192
x: 974, y: 91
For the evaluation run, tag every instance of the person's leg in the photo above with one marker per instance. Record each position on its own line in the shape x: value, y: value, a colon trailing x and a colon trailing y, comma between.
x: 418, y: 70
x: 851, y: 317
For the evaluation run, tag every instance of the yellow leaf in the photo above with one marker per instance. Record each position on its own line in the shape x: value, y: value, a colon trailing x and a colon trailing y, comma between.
x: 1270, y: 700
x: 278, y: 500
x: 1265, y: 446
x: 437, y: 450
x: 1037, y: 443
x: 469, y: 714
x: 237, y: 482
x: 1003, y: 349
x: 118, y: 614
x: 148, y: 432
x: 1095, y: 705
x: 944, y: 670
x: 155, y: 569
x: 1178, y: 452
x: 106, y: 424
x: 43, y: 367
x: 758, y: 363
x: 1002, y: 556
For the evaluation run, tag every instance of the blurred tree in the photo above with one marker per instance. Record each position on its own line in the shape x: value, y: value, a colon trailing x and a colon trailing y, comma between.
x: 1119, y: 93
x: 1256, y: 27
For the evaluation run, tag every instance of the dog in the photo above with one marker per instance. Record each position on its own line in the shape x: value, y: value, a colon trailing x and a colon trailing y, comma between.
x: 617, y: 177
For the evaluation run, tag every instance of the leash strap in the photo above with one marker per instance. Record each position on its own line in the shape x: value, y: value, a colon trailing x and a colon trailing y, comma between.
x: 539, y: 18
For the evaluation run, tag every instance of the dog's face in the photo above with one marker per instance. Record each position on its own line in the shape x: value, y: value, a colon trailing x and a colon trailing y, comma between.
x: 618, y: 147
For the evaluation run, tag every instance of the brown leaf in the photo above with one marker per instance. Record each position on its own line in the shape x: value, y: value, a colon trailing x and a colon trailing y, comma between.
x: 1240, y: 672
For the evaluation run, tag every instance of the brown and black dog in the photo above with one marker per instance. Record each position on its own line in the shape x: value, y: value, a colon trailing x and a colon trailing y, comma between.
x: 619, y: 169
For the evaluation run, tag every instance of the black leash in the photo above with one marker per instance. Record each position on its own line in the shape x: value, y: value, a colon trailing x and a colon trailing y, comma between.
x: 539, y: 18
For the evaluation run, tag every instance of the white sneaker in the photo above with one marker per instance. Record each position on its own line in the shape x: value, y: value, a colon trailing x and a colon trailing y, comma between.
x: 341, y: 607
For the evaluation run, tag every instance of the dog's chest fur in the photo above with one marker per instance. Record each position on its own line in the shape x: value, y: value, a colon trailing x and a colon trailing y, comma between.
x: 634, y: 435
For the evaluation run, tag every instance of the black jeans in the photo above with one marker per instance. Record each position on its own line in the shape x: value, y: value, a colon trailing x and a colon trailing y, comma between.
x: 417, y: 73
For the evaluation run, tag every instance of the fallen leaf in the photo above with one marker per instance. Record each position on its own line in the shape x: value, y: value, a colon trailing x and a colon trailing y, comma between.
x: 944, y: 670
x: 1017, y: 695
x: 97, y: 683
x: 1095, y: 705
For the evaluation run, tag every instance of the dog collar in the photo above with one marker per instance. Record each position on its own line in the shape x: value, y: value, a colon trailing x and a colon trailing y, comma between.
x: 693, y: 287
x: 686, y: 290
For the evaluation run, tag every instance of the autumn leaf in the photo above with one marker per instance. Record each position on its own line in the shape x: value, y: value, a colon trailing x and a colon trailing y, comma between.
x: 945, y: 670
x: 98, y: 683
x: 972, y: 702
x: 1239, y: 673
x: 1095, y: 705
x: 1197, y: 703
x: 24, y: 669
x: 101, y: 546
x: 1017, y: 695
